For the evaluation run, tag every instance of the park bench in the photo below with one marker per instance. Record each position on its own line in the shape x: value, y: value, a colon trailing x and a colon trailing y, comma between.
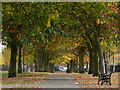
x: 105, y: 78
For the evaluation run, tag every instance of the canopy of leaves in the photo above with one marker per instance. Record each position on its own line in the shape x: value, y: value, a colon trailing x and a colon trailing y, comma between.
x: 59, y: 27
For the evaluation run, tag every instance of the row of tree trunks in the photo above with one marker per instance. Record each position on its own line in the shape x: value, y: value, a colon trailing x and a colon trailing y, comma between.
x: 16, y: 49
x: 78, y: 64
x: 71, y: 66
x: 42, y: 63
x: 96, y: 57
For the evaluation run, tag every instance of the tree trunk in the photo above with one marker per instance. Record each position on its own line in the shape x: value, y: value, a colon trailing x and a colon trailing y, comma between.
x: 35, y: 65
x: 95, y: 64
x: 45, y: 63
x: 27, y: 65
x: 12, y: 67
x: 90, y: 50
x: 35, y: 61
x: 51, y: 67
x: 95, y: 58
x: 38, y: 62
x: 86, y: 69
x: 81, y: 59
x: 107, y: 62
x: 68, y: 67
x: 113, y: 63
x: 19, y: 60
x: 91, y: 64
x: 23, y: 60
x: 76, y: 64
x: 101, y: 59
x: 71, y: 66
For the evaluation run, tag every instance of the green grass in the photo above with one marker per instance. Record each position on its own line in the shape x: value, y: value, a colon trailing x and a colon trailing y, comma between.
x: 16, y: 82
x: 24, y: 87
x: 5, y: 73
x: 26, y: 73
x: 38, y: 75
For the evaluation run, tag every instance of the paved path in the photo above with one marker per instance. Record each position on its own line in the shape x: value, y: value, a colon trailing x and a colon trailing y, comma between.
x: 54, y: 80
x: 59, y: 80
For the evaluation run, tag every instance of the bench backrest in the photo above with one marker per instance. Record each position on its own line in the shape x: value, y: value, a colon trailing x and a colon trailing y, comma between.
x: 108, y: 75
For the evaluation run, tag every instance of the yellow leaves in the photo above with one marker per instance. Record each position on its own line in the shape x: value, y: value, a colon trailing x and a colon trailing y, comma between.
x: 29, y: 59
x: 63, y: 58
x: 99, y: 22
x: 11, y: 13
x: 66, y: 58
x: 8, y: 7
x: 103, y: 43
x: 48, y: 24
x: 52, y: 16
x: 2, y: 60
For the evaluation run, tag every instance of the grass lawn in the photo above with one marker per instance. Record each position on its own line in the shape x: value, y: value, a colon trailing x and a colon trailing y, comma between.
x: 24, y: 78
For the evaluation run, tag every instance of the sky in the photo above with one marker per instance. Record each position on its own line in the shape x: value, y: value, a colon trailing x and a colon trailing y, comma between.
x: 1, y: 47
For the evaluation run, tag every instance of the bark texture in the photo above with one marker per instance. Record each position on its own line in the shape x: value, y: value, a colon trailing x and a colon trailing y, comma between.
x: 81, y: 58
x: 19, y: 59
x: 12, y: 67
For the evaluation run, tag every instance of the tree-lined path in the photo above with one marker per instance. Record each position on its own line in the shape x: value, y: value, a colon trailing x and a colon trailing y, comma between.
x: 67, y: 80
x: 59, y: 80
x: 40, y: 37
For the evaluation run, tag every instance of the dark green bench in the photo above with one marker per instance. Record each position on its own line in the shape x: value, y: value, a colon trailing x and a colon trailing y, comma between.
x: 105, y: 78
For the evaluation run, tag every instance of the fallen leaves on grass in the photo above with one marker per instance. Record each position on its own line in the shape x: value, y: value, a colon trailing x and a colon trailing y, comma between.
x: 24, y: 79
x: 88, y: 81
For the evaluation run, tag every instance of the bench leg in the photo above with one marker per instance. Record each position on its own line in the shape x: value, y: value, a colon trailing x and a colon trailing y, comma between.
x: 98, y: 81
x: 106, y: 82
x: 110, y: 82
x: 102, y: 82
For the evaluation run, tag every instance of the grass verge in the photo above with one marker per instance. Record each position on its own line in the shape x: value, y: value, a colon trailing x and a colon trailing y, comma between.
x: 24, y: 78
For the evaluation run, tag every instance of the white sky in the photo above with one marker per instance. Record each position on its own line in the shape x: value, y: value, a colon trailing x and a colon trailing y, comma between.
x: 1, y: 47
